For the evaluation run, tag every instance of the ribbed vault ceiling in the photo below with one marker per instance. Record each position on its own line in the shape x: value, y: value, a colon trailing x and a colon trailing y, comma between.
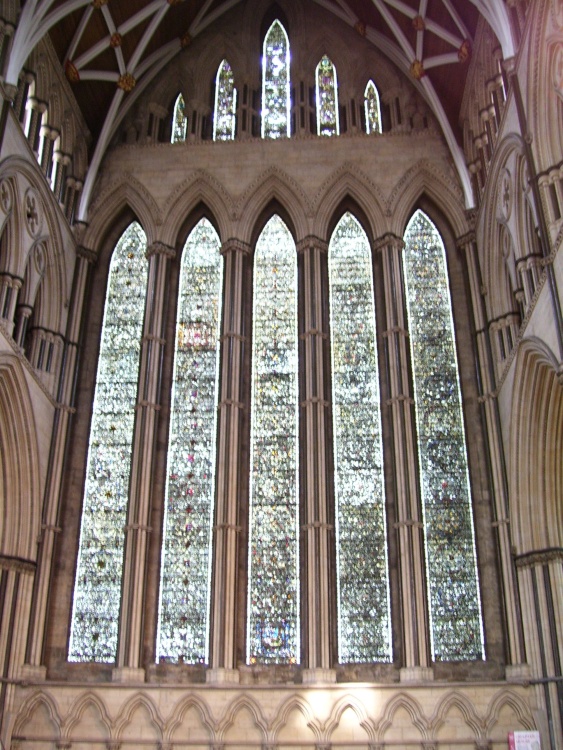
x: 109, y: 46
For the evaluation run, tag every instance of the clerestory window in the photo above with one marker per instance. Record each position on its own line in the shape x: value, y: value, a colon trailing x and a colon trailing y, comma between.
x: 327, y: 98
x: 179, y: 120
x: 225, y: 104
x: 276, y: 101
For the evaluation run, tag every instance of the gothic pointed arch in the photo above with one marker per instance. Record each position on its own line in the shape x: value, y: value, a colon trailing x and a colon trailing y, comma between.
x: 536, y: 471
x: 19, y: 520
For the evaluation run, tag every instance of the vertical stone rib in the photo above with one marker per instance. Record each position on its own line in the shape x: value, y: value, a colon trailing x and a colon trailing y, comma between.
x: 137, y: 529
x: 226, y: 528
x: 489, y: 403
x: 50, y: 521
x: 409, y: 526
x: 316, y: 524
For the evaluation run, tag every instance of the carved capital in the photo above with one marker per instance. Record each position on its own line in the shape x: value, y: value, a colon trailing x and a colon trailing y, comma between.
x: 312, y: 243
x: 233, y: 245
x: 86, y: 254
x: 388, y: 240
x: 159, y: 248
x: 466, y: 240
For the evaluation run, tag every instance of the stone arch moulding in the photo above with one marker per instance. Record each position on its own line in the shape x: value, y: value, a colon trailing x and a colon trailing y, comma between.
x: 230, y: 715
x: 349, y: 181
x: 273, y: 184
x: 25, y: 180
x: 20, y: 497
x: 535, y: 466
x: 424, y: 178
x: 176, y: 719
x: 120, y: 194
x: 198, y: 188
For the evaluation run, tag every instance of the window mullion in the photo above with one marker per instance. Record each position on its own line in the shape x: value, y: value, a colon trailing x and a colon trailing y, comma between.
x: 416, y: 655
x: 137, y: 530
x: 317, y: 523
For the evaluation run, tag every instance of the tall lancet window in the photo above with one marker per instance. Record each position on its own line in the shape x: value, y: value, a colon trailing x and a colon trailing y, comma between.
x: 189, y: 499
x: 225, y: 104
x: 179, y: 120
x: 273, y: 590
x: 372, y: 109
x: 363, y: 587
x: 454, y: 601
x: 97, y: 590
x: 327, y: 98
x: 275, y: 83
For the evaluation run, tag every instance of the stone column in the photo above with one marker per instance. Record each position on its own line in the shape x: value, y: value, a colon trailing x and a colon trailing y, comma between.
x: 50, y: 135
x: 317, y: 526
x: 416, y: 640
x: 498, y: 468
x: 129, y: 652
x: 9, y: 288
x: 50, y: 522
x: 223, y: 659
x: 34, y: 121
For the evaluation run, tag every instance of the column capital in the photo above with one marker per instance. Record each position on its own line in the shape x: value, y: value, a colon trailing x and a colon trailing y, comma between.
x: 232, y: 245
x: 311, y: 242
x: 160, y: 248
x: 88, y: 255
x: 388, y: 240
x: 467, y: 239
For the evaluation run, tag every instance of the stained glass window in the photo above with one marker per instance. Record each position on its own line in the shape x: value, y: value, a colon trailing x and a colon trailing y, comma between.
x: 275, y: 83
x: 179, y: 120
x: 225, y: 104
x: 327, y: 98
x: 273, y: 593
x: 454, y: 603
x: 372, y: 109
x: 189, y: 499
x: 363, y: 586
x: 97, y: 590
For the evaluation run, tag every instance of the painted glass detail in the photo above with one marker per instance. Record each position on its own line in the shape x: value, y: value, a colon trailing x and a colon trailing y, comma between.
x: 327, y: 98
x: 372, y: 109
x: 454, y: 602
x: 97, y: 591
x: 183, y: 623
x: 275, y: 83
x: 179, y: 120
x: 273, y: 589
x: 364, y: 620
x: 225, y: 104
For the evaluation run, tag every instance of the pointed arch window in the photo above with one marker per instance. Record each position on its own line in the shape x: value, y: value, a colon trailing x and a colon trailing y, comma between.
x: 189, y: 499
x: 364, y: 620
x: 179, y: 120
x: 275, y: 83
x: 97, y: 590
x: 327, y: 98
x: 454, y: 603
x: 372, y: 109
x: 273, y: 590
x: 225, y: 104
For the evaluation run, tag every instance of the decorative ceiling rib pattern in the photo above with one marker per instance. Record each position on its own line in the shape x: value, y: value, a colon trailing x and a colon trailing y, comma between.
x: 112, y: 50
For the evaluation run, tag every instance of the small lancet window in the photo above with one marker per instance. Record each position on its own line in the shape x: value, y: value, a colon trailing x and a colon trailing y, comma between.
x: 327, y: 98
x: 179, y: 120
x: 225, y: 104
x: 276, y: 100
x: 372, y: 109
